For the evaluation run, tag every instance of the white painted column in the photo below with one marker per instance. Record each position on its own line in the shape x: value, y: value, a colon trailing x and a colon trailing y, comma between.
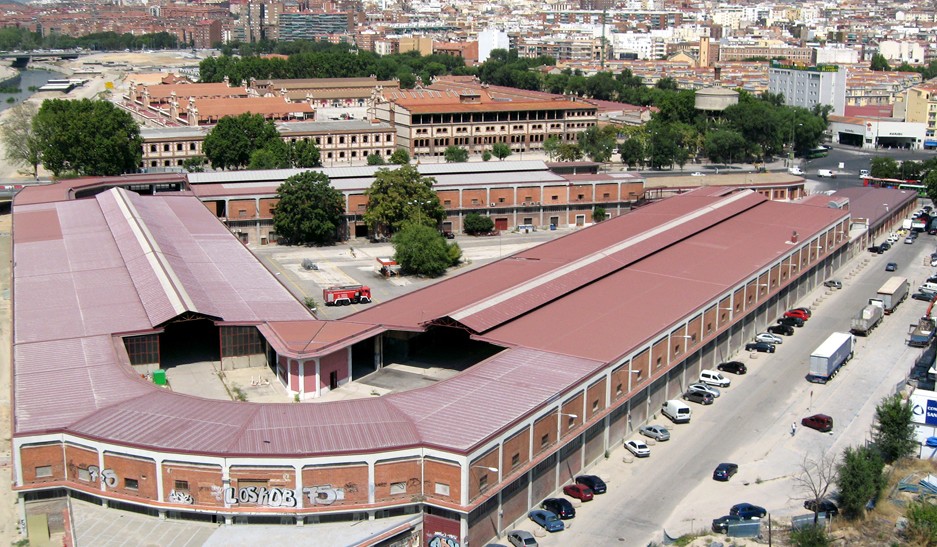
x: 300, y: 501
x: 160, y: 488
x: 318, y: 380
x: 301, y: 388
x: 370, y: 481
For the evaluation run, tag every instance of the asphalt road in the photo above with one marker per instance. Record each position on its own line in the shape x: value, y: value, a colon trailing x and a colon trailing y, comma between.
x: 750, y: 424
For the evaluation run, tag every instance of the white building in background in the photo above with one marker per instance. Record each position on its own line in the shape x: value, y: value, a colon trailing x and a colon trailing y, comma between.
x: 729, y: 17
x: 489, y: 40
x: 809, y: 86
x: 837, y: 56
x: 902, y: 52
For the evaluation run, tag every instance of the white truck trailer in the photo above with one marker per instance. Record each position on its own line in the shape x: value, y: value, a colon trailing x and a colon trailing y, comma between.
x: 826, y: 360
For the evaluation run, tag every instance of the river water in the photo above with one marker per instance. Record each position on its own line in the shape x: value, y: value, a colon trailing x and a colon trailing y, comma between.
x: 26, y: 79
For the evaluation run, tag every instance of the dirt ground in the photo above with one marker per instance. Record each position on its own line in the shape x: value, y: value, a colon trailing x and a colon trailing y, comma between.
x: 9, y: 527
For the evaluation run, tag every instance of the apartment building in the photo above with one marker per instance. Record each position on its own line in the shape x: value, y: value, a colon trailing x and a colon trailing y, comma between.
x: 809, y: 86
x: 921, y: 107
x: 427, y: 121
x: 323, y: 92
x: 309, y: 26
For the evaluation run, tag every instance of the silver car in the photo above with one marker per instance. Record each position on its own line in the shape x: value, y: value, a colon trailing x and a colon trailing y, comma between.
x: 657, y: 432
x: 769, y: 338
x: 522, y: 538
x: 703, y: 388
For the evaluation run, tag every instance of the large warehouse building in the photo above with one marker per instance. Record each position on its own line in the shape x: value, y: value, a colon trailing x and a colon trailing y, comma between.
x: 580, y: 340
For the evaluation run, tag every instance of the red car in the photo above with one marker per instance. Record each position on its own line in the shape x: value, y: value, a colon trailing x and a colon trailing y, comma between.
x: 578, y: 491
x: 799, y: 314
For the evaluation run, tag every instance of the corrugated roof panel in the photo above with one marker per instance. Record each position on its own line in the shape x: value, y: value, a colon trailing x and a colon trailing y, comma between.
x: 467, y: 409
x: 152, y: 294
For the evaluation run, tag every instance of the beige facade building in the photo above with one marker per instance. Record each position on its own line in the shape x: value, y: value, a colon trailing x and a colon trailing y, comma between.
x: 427, y: 121
x: 921, y: 106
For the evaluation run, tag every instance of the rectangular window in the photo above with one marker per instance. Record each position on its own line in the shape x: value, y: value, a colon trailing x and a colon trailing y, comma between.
x: 515, y: 460
x: 43, y: 471
x: 545, y: 440
x: 483, y: 481
x: 618, y: 389
x: 182, y: 485
x: 131, y: 484
x: 595, y: 405
x: 84, y: 475
x: 570, y: 422
x: 441, y: 489
x: 397, y: 488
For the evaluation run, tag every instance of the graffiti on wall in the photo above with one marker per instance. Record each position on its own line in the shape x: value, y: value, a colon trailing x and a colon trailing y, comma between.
x: 180, y: 496
x: 447, y: 540
x: 107, y: 476
x: 274, y: 497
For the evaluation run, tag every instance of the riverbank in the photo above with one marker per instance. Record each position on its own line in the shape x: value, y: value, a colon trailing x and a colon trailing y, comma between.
x: 7, y: 73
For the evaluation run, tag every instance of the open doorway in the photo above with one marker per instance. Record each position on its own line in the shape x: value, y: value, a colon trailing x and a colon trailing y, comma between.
x: 189, y: 340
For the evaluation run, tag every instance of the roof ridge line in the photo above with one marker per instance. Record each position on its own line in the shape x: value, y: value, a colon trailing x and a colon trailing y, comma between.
x: 585, y: 261
x: 172, y: 287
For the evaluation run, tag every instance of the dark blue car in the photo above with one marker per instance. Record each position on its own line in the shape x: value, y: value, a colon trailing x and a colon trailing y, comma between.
x: 560, y: 507
x: 594, y: 483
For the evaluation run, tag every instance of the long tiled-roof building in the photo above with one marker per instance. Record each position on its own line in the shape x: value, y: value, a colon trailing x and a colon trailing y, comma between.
x: 116, y: 283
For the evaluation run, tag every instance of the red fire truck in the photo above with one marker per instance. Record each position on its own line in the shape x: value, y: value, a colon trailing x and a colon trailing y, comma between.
x: 346, y: 294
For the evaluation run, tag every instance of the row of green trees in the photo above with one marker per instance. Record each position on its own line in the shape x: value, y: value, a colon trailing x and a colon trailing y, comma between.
x: 337, y: 61
x: 16, y: 38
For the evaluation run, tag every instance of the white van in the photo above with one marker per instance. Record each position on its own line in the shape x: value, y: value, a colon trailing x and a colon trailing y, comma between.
x: 678, y: 411
x: 826, y: 173
x: 714, y: 378
x: 929, y: 287
x: 795, y: 170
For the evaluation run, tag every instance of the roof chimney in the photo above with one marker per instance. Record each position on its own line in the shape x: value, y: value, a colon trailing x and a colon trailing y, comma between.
x: 794, y: 237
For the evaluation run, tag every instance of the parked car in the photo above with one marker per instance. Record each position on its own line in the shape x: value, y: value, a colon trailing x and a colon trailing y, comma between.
x: 769, y: 338
x: 762, y: 347
x: 786, y: 330
x: 833, y: 284
x: 559, y: 507
x: 747, y: 511
x: 698, y: 397
x: 820, y: 422
x: 885, y: 246
x: 724, y: 471
x: 735, y: 367
x: 799, y: 314
x: 638, y: 448
x: 891, y: 266
x: 825, y: 506
x: 522, y: 538
x: 791, y: 321
x: 656, y: 432
x: 704, y: 388
x: 697, y: 174
x: 925, y: 296
x: 547, y: 520
x: 908, y: 240
x: 594, y: 483
x: 806, y: 311
x: 714, y: 378
x: 721, y: 524
x: 578, y: 491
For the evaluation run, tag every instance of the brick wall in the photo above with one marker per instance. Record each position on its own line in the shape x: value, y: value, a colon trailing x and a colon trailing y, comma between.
x: 480, y: 479
x: 79, y: 458
x: 397, y: 480
x: 48, y: 458
x: 440, y: 475
x: 595, y: 399
x: 545, y: 433
x: 350, y: 480
x: 201, y: 483
x: 134, y: 477
x: 571, y: 406
x: 515, y: 451
x: 242, y: 208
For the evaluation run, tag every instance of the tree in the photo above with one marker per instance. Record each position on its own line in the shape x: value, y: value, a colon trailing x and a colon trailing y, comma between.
x: 895, y: 437
x: 879, y: 63
x: 632, y: 152
x: 475, y: 223
x: 551, y: 145
x: 310, y: 210
x: 87, y: 137
x: 725, y: 145
x: 486, y: 155
x: 421, y: 250
x: 930, y: 181
x: 20, y: 142
x: 231, y: 142
x: 568, y: 152
x: 816, y: 477
x: 598, y: 143
x: 194, y: 165
x: 400, y: 157
x: 304, y: 154
x: 859, y: 479
x: 599, y: 214
x: 883, y: 168
x: 455, y: 154
x: 399, y: 196
x: 275, y: 155
x: 501, y: 150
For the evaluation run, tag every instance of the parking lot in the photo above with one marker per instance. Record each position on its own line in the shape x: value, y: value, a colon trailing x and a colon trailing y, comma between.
x: 750, y: 424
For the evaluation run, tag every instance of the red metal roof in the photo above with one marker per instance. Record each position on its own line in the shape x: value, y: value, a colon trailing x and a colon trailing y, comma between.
x: 313, y: 338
